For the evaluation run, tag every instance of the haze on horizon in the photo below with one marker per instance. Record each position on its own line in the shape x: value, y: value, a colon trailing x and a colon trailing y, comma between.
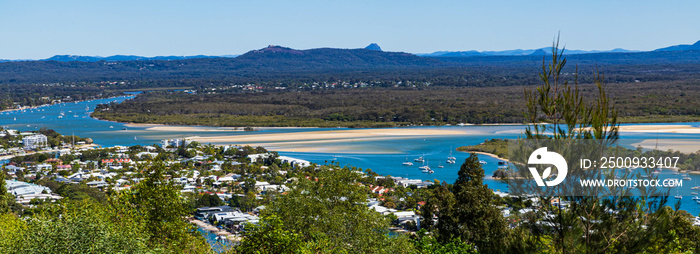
x: 41, y: 29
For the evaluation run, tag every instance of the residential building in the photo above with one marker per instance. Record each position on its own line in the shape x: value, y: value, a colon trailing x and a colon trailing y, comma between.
x: 35, y: 141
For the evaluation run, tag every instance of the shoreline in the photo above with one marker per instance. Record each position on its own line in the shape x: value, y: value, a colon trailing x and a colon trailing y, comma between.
x: 635, y: 127
x: 326, y: 135
x: 49, y: 105
x: 487, y: 154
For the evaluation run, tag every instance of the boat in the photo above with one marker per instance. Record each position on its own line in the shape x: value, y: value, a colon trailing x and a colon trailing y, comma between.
x: 696, y: 198
x: 502, y: 163
x: 123, y: 128
x: 687, y: 178
x: 419, y: 159
x: 678, y: 197
x: 424, y: 167
x: 407, y: 163
x: 111, y: 127
x: 451, y: 162
x: 440, y: 166
x: 451, y: 157
x: 483, y: 162
x: 135, y: 138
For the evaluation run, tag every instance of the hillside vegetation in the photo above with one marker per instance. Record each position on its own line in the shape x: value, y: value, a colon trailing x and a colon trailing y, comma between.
x: 375, y: 107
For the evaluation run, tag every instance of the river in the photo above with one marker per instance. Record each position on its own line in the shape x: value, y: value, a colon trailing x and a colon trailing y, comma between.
x: 382, y: 155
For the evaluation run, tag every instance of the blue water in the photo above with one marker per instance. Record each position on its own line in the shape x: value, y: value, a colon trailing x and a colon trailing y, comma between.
x: 216, y: 245
x: 382, y: 155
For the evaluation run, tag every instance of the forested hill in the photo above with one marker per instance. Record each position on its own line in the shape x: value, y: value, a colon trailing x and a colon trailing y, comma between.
x: 277, y: 63
x: 287, y: 59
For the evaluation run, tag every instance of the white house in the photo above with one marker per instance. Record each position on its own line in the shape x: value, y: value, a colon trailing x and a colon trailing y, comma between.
x: 294, y: 161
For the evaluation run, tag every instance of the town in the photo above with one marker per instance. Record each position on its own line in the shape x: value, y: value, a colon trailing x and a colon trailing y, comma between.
x: 228, y: 186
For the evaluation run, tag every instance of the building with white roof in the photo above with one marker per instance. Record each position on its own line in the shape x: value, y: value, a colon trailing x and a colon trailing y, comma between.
x: 18, y: 188
x: 35, y: 141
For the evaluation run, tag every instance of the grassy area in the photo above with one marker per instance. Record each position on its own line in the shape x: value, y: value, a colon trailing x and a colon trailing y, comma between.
x: 496, y: 146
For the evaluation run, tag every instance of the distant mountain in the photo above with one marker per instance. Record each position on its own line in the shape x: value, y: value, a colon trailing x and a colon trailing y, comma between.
x: 119, y: 58
x: 519, y: 52
x: 279, y: 58
x: 373, y: 46
x: 681, y: 47
x: 276, y: 63
x: 540, y: 52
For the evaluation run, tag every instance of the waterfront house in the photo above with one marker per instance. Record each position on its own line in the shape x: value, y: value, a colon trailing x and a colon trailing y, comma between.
x: 296, y: 163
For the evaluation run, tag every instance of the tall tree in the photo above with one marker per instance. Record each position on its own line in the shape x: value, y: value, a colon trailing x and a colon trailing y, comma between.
x: 159, y: 202
x: 328, y: 210
x: 473, y: 217
x: 594, y: 222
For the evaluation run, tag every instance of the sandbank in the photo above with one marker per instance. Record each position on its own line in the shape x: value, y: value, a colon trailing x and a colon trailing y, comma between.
x: 333, y: 135
x: 679, y: 128
x: 683, y: 146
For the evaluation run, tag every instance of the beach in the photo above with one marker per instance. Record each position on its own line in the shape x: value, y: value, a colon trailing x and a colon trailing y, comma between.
x: 306, y: 141
x: 330, y: 135
x: 161, y: 127
x: 683, y: 146
x: 680, y: 129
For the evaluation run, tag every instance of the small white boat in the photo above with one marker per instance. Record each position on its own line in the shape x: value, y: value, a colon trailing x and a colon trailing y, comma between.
x: 408, y: 163
x: 111, y: 127
x: 482, y: 162
x: 419, y: 159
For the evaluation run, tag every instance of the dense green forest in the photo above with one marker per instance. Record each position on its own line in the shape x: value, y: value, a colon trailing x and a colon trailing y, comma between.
x: 636, y: 102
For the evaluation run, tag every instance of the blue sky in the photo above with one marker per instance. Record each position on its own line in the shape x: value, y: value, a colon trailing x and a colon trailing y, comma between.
x: 39, y: 29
